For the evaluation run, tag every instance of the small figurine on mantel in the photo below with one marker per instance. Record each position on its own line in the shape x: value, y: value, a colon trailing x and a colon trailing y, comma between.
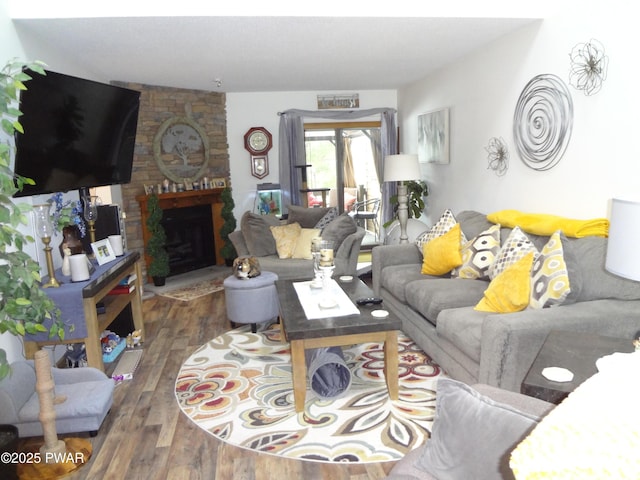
x: 66, y: 263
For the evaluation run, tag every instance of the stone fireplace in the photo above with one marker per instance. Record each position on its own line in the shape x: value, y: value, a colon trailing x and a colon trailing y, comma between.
x: 157, y: 105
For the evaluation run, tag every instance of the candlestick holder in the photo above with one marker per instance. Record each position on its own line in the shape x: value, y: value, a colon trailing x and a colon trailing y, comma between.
x: 90, y: 212
x: 315, y: 253
x: 45, y: 231
x: 327, y: 300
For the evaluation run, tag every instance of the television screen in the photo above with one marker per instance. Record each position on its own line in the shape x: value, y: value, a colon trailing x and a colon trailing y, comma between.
x: 77, y: 133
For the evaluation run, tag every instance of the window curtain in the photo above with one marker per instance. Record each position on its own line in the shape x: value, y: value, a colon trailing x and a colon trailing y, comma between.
x: 291, y: 138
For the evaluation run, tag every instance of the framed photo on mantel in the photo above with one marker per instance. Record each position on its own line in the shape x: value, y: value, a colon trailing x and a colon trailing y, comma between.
x: 433, y: 137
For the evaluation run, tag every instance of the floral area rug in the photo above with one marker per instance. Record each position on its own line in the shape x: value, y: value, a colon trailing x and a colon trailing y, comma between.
x: 238, y: 388
x: 195, y: 290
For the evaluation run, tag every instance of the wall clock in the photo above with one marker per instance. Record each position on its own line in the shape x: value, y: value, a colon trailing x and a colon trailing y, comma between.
x: 258, y: 142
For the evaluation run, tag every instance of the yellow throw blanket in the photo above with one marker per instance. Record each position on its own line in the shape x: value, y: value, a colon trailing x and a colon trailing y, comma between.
x: 543, y: 224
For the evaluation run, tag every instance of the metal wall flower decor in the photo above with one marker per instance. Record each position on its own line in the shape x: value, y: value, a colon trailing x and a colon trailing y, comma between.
x: 589, y: 67
x: 498, y: 156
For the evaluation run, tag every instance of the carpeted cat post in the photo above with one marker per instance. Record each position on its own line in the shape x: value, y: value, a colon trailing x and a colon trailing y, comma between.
x: 45, y: 388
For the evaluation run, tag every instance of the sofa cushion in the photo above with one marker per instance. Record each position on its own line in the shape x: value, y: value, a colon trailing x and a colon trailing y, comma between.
x: 478, y: 254
x: 516, y: 246
x: 395, y: 279
x: 549, y: 276
x: 286, y: 237
x: 431, y: 295
x: 257, y: 234
x: 511, y: 290
x: 472, y: 435
x: 442, y: 254
x: 463, y: 328
x: 597, y: 282
x: 473, y: 223
x: 306, y: 217
x: 339, y: 229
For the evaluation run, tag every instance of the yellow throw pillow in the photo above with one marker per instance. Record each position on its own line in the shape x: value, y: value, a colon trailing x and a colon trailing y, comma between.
x: 509, y: 291
x: 442, y: 254
x: 286, y: 237
x: 303, y: 244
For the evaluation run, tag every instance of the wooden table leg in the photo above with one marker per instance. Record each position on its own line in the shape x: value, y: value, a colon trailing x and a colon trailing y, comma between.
x: 92, y: 342
x: 391, y: 363
x: 299, y: 374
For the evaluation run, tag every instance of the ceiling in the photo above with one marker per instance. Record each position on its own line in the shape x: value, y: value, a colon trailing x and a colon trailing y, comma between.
x: 262, y: 54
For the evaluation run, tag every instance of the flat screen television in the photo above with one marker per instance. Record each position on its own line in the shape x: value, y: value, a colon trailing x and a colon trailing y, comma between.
x: 78, y: 133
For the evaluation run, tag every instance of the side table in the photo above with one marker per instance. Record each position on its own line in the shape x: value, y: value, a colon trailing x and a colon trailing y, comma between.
x: 575, y: 351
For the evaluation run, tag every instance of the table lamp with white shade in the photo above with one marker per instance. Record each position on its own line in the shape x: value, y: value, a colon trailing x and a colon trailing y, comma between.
x: 401, y: 168
x: 623, y: 255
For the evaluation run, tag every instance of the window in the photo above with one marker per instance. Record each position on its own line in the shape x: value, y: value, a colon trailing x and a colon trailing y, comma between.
x: 341, y: 158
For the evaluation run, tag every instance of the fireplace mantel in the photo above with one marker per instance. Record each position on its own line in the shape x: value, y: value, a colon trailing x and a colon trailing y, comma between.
x: 191, y: 198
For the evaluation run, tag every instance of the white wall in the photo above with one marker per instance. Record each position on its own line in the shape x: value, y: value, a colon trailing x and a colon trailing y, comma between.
x: 246, y: 110
x: 603, y: 156
x: 11, y: 46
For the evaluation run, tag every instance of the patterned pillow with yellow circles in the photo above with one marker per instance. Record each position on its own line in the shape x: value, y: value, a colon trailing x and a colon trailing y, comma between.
x: 549, y: 275
x: 442, y: 226
x: 478, y: 254
x: 516, y: 246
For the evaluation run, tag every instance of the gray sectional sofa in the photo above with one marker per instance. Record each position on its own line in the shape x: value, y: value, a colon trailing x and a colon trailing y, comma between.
x: 254, y: 238
x: 498, y: 348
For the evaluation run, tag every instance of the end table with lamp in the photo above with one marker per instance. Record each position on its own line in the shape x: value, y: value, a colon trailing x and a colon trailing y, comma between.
x: 401, y: 168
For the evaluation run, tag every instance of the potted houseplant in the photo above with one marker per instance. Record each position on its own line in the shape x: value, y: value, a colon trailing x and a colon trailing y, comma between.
x: 24, y: 306
x: 416, y: 191
x: 227, y: 251
x: 158, y: 267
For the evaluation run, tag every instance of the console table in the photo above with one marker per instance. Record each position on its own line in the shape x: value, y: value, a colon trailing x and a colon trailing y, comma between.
x: 77, y: 302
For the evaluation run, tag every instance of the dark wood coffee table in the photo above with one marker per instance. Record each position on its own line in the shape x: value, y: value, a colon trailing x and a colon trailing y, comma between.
x: 575, y: 351
x: 336, y: 331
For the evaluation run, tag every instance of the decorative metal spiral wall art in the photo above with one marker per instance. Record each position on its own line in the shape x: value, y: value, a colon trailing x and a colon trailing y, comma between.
x: 588, y: 67
x: 498, y: 156
x: 542, y: 122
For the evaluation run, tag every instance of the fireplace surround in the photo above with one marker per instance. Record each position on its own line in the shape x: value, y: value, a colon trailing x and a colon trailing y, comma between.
x: 193, y: 241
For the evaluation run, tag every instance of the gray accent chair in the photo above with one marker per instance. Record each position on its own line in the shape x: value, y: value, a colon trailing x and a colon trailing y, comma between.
x: 88, y: 391
x: 474, y: 432
x: 255, y: 239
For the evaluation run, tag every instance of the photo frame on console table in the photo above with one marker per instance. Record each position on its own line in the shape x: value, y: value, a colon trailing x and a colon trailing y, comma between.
x: 103, y: 251
x: 433, y: 137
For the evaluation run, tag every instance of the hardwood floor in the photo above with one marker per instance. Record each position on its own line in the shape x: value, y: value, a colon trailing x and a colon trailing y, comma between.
x: 146, y: 435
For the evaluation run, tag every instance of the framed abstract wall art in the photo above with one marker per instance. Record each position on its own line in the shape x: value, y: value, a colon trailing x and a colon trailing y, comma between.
x: 433, y: 137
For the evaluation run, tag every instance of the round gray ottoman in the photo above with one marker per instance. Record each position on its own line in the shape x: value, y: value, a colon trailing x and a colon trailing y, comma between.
x: 251, y: 300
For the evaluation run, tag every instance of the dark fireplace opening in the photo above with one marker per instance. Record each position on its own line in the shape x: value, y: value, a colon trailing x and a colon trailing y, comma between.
x: 190, y: 241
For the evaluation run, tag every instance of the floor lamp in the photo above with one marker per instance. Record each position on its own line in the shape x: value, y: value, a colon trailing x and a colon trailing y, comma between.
x: 401, y: 168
